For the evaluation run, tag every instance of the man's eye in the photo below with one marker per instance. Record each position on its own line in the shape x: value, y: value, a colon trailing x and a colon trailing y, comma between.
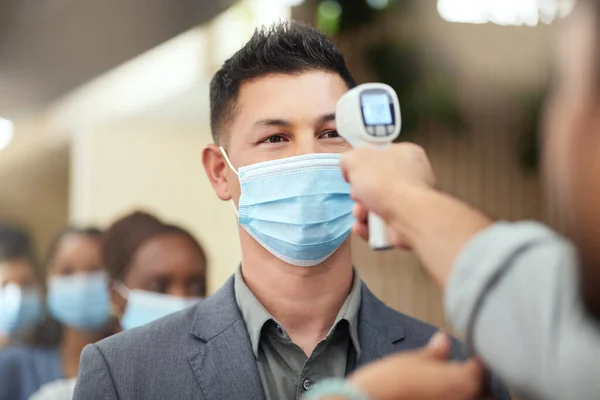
x: 330, y: 135
x: 158, y: 287
x: 274, y: 139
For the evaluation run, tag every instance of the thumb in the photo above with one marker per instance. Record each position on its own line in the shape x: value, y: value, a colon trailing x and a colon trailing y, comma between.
x: 439, y: 346
x: 346, y: 163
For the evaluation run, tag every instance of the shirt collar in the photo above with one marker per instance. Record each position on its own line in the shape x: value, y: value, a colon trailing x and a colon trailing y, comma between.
x: 254, y: 313
x: 349, y: 312
x: 256, y: 316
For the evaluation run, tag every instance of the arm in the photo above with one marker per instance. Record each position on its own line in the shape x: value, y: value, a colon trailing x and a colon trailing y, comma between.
x: 514, y: 293
x: 95, y: 379
x: 511, y: 290
x: 434, y: 224
x: 514, y: 289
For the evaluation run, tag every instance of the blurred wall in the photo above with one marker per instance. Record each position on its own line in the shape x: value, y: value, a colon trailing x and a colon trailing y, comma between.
x: 34, y: 193
x: 153, y: 165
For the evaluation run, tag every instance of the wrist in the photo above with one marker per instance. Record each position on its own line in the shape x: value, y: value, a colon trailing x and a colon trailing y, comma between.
x: 335, y: 389
x: 404, y: 205
x: 436, y: 226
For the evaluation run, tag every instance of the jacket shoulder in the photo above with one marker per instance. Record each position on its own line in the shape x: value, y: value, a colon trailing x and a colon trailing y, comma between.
x: 408, y: 333
x: 418, y: 333
x: 167, y: 330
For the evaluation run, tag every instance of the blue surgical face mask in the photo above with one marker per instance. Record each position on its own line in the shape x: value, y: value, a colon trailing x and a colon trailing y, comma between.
x: 144, y: 307
x: 80, y: 301
x: 20, y: 309
x: 298, y: 208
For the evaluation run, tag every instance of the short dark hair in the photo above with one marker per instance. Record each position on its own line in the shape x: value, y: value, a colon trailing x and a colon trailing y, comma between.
x: 126, y: 236
x: 15, y: 243
x: 284, y: 47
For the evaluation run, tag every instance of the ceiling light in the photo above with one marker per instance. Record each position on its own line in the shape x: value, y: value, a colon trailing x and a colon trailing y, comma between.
x: 378, y: 4
x: 504, y: 12
x: 7, y: 131
x: 292, y: 3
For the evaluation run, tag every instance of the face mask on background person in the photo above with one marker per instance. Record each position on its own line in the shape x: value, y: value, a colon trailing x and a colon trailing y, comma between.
x: 20, y: 309
x: 144, y: 307
x: 298, y: 208
x: 80, y: 301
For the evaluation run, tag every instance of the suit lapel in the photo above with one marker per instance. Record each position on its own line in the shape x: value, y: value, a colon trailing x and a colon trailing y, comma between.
x: 379, y: 329
x: 224, y: 363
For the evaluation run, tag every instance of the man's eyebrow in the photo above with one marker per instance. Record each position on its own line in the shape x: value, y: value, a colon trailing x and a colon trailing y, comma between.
x: 322, y: 119
x: 325, y: 118
x: 272, y: 122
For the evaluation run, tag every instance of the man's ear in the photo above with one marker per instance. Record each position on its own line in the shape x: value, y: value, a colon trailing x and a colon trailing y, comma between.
x: 216, y: 169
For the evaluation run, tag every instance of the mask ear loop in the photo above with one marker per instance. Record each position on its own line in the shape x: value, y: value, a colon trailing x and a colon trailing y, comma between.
x: 228, y: 160
x: 235, y: 172
x: 123, y: 290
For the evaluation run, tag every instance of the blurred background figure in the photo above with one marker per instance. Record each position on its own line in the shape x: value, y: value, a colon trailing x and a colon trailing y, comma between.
x: 155, y: 269
x: 21, y: 304
x: 78, y: 305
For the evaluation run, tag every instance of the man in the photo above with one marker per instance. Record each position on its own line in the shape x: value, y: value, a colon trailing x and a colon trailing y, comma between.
x: 295, y: 312
x: 527, y: 300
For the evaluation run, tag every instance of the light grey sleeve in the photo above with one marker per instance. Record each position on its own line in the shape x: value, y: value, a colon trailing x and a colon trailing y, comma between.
x: 514, y: 293
x: 94, y: 381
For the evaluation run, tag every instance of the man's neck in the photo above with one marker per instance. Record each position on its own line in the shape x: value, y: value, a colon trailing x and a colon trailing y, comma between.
x: 305, y: 300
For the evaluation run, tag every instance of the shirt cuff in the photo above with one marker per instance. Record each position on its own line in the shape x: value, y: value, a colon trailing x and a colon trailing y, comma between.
x: 481, y: 261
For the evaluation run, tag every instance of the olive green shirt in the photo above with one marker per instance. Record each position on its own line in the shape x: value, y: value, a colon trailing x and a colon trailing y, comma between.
x: 285, y: 370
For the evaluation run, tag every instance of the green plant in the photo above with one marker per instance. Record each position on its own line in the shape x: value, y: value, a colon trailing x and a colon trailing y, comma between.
x: 530, y: 149
x: 335, y: 17
x: 422, y: 96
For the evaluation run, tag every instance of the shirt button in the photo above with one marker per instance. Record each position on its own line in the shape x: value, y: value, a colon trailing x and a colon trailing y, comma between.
x: 307, y: 384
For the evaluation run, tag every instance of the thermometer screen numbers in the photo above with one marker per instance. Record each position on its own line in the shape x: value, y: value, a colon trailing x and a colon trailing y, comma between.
x: 376, y: 109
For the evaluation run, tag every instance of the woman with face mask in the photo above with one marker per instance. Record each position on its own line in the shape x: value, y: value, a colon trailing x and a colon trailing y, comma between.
x: 77, y: 298
x: 155, y: 269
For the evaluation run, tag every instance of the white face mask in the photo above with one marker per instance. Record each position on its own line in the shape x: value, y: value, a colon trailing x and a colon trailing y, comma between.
x: 144, y: 307
x: 20, y: 309
x: 298, y: 208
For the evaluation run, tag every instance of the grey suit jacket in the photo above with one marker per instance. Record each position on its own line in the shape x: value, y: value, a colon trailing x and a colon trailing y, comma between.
x: 204, y: 352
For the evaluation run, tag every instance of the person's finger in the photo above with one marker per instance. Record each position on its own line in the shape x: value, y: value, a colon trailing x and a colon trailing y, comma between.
x: 362, y: 230
x: 346, y: 163
x: 468, y: 377
x: 439, y: 346
x: 360, y: 213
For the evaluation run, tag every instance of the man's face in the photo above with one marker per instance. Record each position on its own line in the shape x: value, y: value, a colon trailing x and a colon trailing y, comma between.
x: 572, y: 145
x: 279, y: 116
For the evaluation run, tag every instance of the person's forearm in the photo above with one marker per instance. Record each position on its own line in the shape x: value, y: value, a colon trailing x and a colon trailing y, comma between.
x: 436, y: 225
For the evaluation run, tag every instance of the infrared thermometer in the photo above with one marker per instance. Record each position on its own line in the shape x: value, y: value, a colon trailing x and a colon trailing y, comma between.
x: 369, y: 116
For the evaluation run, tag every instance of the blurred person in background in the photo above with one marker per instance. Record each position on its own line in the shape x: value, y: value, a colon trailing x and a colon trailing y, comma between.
x: 296, y: 311
x: 77, y: 299
x: 155, y: 269
x: 526, y: 298
x: 21, y: 288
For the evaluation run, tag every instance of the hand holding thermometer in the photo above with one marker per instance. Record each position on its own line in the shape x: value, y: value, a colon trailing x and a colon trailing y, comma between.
x: 369, y: 116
